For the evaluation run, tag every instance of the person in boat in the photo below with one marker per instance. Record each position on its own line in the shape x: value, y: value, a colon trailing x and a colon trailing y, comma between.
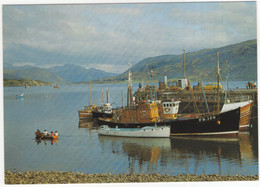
x: 56, y: 133
x: 247, y: 86
x: 45, y: 132
x: 255, y: 85
x: 52, y: 134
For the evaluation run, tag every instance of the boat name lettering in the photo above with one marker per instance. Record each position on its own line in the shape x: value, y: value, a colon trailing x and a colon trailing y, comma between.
x: 207, y: 118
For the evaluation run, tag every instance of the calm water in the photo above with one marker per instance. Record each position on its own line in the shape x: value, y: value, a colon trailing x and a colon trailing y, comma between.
x: 79, y: 148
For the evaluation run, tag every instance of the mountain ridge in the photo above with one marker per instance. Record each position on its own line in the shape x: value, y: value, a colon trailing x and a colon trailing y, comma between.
x: 200, y: 65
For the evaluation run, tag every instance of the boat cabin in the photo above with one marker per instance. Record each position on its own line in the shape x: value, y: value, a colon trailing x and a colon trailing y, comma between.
x: 106, y: 108
x: 143, y: 112
x: 169, y: 109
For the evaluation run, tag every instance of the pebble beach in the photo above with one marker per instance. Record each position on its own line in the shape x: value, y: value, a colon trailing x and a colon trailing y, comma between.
x: 57, y: 177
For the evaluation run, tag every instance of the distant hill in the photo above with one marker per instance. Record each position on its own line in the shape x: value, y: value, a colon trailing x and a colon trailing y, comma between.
x: 32, y: 73
x: 200, y: 65
x: 75, y: 73
x: 58, y: 74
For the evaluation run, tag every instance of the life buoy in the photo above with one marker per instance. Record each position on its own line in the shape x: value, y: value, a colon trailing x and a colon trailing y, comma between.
x: 166, y: 109
x: 218, y: 122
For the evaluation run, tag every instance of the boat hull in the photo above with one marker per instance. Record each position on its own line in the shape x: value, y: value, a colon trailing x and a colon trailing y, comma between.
x: 145, y: 132
x: 245, y: 112
x: 223, y: 124
x: 97, y: 114
x: 85, y: 115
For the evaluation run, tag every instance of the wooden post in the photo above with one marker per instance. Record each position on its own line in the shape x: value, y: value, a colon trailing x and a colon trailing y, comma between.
x: 89, y: 96
x: 184, y: 64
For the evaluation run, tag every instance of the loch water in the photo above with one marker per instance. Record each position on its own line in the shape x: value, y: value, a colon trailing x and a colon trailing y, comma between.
x: 80, y: 149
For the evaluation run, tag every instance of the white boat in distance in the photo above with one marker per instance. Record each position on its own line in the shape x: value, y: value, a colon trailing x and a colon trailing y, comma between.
x: 144, y: 132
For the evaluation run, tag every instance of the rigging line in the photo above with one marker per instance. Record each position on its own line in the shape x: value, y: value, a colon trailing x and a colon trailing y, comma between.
x: 186, y: 106
x: 205, y: 98
x: 194, y: 101
x: 235, y: 90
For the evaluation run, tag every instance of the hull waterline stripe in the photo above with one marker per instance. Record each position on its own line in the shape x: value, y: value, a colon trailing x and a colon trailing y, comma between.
x: 207, y: 133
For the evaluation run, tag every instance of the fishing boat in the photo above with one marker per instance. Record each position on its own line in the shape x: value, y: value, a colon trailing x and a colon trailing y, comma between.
x: 144, y: 132
x: 147, y: 113
x: 56, y: 86
x: 41, y: 135
x: 221, y: 124
x: 206, y: 101
x: 87, y: 112
x: 104, y: 110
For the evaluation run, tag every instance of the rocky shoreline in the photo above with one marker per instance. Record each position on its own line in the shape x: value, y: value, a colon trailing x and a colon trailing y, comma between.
x: 57, y: 177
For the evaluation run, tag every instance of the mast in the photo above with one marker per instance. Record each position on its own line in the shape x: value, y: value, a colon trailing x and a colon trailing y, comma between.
x: 226, y: 92
x: 184, y: 65
x: 107, y: 94
x: 89, y: 95
x: 130, y: 87
x: 218, y: 79
x: 102, y: 96
x: 122, y: 97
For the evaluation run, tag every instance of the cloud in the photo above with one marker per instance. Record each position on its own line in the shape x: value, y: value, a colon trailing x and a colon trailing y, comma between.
x: 24, y: 64
x: 107, y: 35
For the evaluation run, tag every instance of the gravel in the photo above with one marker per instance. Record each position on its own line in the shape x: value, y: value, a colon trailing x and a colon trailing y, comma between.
x: 57, y: 177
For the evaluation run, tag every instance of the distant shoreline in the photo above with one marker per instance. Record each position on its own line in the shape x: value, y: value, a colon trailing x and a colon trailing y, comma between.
x: 24, y: 82
x: 57, y: 177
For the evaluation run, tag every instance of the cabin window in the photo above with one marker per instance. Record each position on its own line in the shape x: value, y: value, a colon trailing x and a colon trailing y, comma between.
x: 167, y: 105
x: 170, y: 105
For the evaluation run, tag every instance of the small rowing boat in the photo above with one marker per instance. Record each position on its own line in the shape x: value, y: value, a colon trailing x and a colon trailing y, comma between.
x: 41, y: 135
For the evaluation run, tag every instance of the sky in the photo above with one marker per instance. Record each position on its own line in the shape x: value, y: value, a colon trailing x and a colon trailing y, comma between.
x: 109, y: 36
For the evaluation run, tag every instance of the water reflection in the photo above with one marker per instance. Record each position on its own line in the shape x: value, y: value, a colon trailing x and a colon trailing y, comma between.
x: 246, y: 148
x: 193, y: 155
x: 202, y: 149
x: 86, y: 123
x: 138, y: 150
x: 46, y: 141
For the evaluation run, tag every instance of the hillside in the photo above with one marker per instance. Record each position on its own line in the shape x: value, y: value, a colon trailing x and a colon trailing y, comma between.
x: 32, y: 73
x: 75, y: 73
x: 24, y: 82
x: 59, y: 74
x: 200, y: 65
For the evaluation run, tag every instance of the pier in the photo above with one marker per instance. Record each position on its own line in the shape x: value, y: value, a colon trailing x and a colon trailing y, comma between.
x: 193, y: 100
